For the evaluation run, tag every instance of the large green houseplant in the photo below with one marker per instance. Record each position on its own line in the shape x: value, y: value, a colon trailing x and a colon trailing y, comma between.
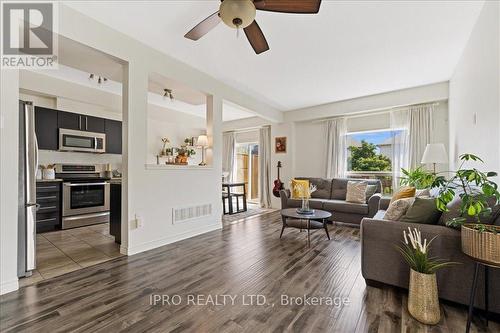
x: 478, y: 194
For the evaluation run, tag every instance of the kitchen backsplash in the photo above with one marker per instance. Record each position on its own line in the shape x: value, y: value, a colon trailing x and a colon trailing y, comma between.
x: 49, y: 157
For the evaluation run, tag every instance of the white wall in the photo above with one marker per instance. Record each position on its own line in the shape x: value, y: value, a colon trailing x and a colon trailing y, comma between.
x: 9, y: 140
x: 176, y: 126
x: 475, y: 93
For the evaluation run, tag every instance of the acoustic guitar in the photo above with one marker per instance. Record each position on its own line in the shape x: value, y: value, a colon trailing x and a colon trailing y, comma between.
x: 278, y: 184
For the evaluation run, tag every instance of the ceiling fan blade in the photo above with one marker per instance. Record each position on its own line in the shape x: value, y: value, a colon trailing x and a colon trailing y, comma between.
x: 256, y: 38
x: 202, y: 28
x: 289, y: 6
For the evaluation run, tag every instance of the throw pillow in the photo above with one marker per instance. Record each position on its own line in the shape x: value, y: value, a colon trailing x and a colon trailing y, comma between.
x: 425, y: 193
x: 356, y: 192
x: 398, y: 208
x: 370, y: 190
x: 403, y: 192
x: 422, y: 211
x: 300, y: 188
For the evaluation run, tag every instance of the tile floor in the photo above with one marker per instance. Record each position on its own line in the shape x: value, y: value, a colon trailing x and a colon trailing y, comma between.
x: 64, y: 251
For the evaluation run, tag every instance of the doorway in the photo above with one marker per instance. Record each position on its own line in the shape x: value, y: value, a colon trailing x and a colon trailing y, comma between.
x: 247, y: 169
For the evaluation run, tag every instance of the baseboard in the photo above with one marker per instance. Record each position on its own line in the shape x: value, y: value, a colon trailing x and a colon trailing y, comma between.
x: 9, y: 286
x: 131, y: 250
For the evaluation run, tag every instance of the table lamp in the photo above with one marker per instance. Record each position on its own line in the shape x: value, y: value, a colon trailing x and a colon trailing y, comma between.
x: 203, y: 143
x: 435, y: 153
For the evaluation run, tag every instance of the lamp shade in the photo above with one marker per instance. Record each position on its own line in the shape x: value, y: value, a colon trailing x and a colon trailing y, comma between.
x: 435, y: 153
x: 202, y: 141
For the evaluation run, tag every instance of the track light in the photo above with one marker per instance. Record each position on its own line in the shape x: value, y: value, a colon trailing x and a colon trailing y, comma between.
x: 168, y: 93
x: 100, y: 79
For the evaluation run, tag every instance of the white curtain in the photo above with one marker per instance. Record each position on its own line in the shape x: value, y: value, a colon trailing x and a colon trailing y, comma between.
x: 412, y: 128
x: 265, y: 166
x: 400, y: 120
x: 336, y: 154
x: 420, y: 132
x: 228, y: 154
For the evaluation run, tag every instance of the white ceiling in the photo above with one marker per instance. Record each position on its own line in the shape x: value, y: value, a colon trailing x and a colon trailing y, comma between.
x: 350, y: 49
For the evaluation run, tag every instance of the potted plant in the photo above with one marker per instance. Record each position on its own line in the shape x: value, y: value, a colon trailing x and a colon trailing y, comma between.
x: 477, y: 192
x: 183, y: 154
x: 418, y: 178
x: 423, y: 301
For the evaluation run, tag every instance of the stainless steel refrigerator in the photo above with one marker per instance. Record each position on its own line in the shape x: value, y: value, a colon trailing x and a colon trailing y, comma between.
x: 28, y: 165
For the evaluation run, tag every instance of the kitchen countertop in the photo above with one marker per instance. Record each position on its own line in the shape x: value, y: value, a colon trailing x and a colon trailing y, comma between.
x: 49, y: 180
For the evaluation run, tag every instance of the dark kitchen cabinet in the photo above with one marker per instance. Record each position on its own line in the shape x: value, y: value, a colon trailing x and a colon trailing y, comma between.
x: 80, y: 122
x: 48, y: 197
x: 113, y: 136
x: 93, y: 124
x: 69, y: 120
x: 115, y: 211
x: 46, y: 128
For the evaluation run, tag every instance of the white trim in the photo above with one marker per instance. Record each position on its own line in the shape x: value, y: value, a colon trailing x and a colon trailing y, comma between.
x: 9, y: 286
x: 171, y: 239
x: 376, y: 130
x: 176, y: 167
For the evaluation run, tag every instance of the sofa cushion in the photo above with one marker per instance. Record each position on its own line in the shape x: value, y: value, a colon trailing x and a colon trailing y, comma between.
x: 403, y: 192
x: 422, y: 211
x: 300, y: 188
x: 345, y: 207
x: 454, y: 211
x: 339, y: 186
x: 379, y: 215
x: 313, y: 203
x: 356, y: 192
x: 371, y: 189
x: 323, y: 187
x: 397, y: 209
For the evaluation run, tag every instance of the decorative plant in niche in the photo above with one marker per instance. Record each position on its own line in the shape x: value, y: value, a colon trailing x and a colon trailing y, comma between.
x: 476, y: 191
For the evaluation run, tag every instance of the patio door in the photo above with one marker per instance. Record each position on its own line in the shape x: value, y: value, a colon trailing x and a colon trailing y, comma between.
x: 247, y: 169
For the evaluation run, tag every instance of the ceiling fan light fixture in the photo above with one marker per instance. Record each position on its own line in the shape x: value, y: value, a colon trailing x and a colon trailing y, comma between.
x: 237, y: 13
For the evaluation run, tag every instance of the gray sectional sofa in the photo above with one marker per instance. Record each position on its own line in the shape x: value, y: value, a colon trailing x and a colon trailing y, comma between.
x: 330, y: 196
x: 382, y: 264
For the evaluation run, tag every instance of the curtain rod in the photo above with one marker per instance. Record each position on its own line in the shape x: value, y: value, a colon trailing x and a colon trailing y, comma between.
x: 245, y: 130
x: 367, y: 113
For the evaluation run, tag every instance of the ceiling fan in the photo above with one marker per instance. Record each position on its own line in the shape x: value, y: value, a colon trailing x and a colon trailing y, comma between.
x: 241, y: 14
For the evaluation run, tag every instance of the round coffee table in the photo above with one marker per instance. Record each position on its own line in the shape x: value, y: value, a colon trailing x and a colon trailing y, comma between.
x: 292, y: 219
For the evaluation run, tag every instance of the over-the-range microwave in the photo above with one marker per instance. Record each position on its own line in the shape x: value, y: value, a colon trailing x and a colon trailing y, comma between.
x: 73, y: 140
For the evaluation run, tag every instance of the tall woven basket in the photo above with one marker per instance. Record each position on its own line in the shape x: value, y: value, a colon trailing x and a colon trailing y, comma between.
x: 484, y: 246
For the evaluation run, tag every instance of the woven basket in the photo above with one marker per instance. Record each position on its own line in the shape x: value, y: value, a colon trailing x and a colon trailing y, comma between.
x: 484, y: 246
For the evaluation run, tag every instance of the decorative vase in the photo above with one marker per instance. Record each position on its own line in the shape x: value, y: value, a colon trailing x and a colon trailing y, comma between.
x: 48, y: 174
x: 305, y: 205
x: 423, y: 301
x: 482, y: 245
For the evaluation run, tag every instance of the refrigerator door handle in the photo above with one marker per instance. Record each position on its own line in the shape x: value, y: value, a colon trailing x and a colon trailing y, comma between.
x: 36, y: 156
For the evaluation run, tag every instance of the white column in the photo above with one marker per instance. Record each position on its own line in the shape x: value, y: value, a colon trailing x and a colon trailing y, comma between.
x: 134, y: 136
x: 9, y: 147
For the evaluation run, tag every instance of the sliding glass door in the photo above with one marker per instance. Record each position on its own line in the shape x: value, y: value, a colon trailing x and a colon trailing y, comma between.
x: 247, y: 168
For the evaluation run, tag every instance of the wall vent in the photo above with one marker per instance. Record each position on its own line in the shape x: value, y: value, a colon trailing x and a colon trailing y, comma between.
x: 185, y: 214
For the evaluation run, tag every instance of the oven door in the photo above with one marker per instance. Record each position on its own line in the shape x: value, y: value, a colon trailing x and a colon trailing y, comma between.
x: 71, y: 140
x: 85, y: 198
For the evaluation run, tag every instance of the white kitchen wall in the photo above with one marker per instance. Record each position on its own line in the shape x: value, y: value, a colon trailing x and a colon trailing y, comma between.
x: 475, y: 94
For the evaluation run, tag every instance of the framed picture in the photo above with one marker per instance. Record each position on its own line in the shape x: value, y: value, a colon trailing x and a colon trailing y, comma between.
x: 280, y: 144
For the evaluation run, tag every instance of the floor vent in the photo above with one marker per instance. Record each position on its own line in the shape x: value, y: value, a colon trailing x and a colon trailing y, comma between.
x: 186, y: 214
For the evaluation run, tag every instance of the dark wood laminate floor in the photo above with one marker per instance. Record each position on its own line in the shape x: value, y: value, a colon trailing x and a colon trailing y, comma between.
x: 245, y: 258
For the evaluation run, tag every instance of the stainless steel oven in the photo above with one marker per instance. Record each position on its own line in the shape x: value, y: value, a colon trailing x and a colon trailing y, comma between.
x: 85, y: 195
x: 85, y: 203
x: 72, y: 140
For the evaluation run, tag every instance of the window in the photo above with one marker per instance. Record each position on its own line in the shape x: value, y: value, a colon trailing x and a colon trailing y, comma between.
x: 369, y: 155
